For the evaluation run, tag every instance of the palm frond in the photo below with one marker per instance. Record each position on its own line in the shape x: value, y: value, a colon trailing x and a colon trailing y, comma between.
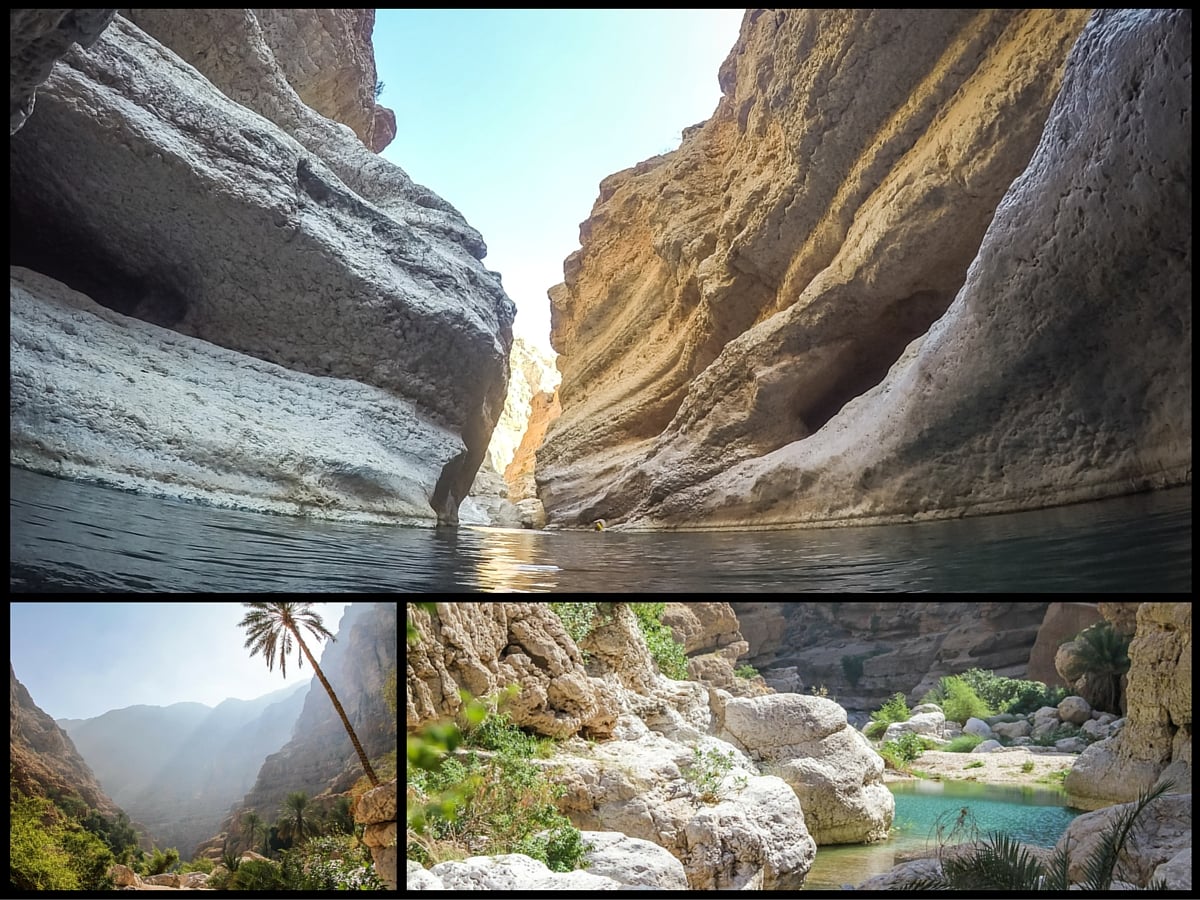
x: 1100, y: 867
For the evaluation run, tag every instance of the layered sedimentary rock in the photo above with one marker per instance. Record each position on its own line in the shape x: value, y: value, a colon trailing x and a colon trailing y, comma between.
x: 377, y: 810
x: 863, y: 651
x: 385, y: 341
x: 1156, y: 742
x: 833, y: 302
x: 328, y: 56
x: 532, y: 373
x: 44, y: 760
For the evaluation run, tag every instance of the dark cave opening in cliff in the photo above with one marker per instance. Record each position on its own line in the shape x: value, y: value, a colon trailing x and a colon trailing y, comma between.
x: 44, y: 238
x: 866, y: 359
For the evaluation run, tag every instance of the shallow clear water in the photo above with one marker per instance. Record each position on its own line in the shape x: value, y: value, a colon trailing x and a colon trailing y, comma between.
x: 67, y: 536
x: 1030, y: 815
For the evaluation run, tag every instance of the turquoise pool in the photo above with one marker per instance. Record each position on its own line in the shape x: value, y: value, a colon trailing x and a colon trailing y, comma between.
x: 1031, y: 815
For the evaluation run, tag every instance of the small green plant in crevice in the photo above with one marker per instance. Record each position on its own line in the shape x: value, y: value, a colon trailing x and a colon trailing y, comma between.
x: 746, y: 672
x: 894, y: 710
x: 708, y: 771
x: 1027, y: 766
x: 979, y: 764
x: 852, y: 668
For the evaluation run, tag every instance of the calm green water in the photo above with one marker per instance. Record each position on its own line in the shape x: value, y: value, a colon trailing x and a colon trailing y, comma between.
x: 67, y: 536
x: 1031, y: 815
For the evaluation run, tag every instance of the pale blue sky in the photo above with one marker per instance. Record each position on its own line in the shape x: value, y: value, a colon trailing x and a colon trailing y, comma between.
x: 515, y: 116
x: 79, y: 660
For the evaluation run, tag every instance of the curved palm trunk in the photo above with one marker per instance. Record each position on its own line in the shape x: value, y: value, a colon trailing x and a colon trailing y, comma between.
x: 362, y: 756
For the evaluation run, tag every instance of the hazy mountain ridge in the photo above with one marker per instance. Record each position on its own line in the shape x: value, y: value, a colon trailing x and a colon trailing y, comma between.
x: 44, y: 759
x: 179, y: 767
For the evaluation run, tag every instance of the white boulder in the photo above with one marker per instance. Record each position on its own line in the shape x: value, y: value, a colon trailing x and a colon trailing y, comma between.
x: 633, y: 861
x: 514, y: 872
x: 1013, y: 730
x: 988, y: 747
x: 978, y: 727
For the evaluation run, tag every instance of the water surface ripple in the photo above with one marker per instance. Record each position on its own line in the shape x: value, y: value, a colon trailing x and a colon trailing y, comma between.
x: 67, y: 536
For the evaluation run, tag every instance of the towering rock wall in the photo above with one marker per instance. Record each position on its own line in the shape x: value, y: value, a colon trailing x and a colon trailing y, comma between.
x: 834, y: 303
x: 1156, y: 742
x: 44, y: 759
x: 256, y: 308
x: 901, y: 646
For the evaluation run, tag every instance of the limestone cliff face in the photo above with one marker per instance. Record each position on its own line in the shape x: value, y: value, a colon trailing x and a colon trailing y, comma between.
x: 44, y: 760
x: 1157, y: 740
x: 902, y: 646
x: 485, y: 647
x: 833, y: 302
x: 289, y: 322
x: 328, y: 57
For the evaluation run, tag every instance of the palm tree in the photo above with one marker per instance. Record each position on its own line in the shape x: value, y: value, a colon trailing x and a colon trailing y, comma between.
x: 296, y: 817
x: 253, y: 825
x: 1102, y: 653
x: 271, y: 627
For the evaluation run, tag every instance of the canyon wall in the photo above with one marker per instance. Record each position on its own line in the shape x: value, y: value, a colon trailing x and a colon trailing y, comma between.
x: 1156, y: 742
x: 919, y: 263
x: 319, y: 759
x: 255, y: 309
x: 863, y: 652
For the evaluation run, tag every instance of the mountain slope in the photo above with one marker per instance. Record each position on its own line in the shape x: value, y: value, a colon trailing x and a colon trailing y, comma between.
x: 45, y: 761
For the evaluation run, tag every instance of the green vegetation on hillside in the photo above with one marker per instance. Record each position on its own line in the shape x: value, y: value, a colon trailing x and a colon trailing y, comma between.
x: 668, y: 654
x: 490, y: 799
x: 50, y: 850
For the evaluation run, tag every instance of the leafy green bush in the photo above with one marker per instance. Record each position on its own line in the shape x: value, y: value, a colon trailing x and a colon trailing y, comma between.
x: 746, y: 671
x: 258, y: 875
x: 497, y: 732
x: 894, y: 710
x: 708, y: 770
x: 199, y: 864
x: 577, y: 617
x: 497, y: 804
x: 964, y: 743
x: 666, y: 651
x: 160, y: 861
x: 1103, y: 655
x: 49, y: 850
x: 958, y: 700
x: 329, y: 863
x: 1011, y: 695
x: 903, y: 750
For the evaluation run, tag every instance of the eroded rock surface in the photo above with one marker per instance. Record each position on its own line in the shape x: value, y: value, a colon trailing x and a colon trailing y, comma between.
x: 746, y: 333
x: 293, y: 245
x: 36, y: 40
x: 484, y: 647
x: 833, y: 769
x: 1156, y: 741
x: 328, y: 56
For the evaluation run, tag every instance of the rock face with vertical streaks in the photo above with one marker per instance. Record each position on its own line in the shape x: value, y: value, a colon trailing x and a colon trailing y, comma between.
x: 917, y: 264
